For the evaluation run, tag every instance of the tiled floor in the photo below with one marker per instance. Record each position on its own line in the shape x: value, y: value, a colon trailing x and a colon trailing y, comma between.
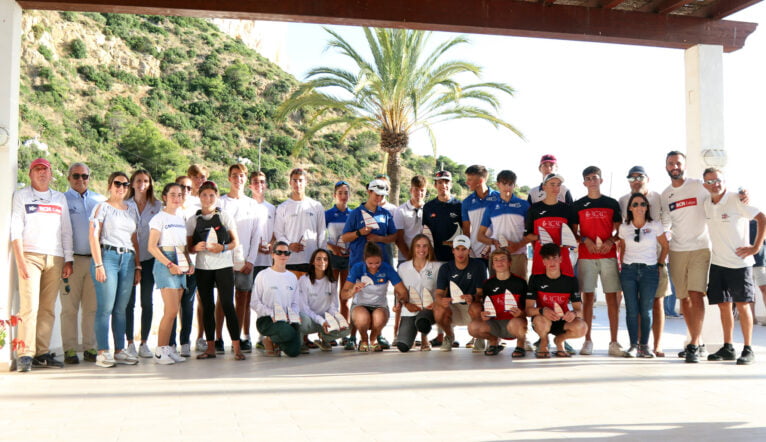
x: 393, y: 396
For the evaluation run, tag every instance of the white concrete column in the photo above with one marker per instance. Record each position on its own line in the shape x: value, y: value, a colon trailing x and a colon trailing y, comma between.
x: 10, y: 53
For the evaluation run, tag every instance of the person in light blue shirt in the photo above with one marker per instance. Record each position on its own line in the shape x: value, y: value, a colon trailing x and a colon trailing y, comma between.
x: 78, y: 291
x: 475, y: 205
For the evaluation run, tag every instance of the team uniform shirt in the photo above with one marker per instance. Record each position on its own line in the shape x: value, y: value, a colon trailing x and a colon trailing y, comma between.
x: 116, y: 226
x: 684, y: 212
x: 211, y: 260
x: 468, y: 279
x: 473, y: 209
x: 414, y: 280
x: 645, y: 250
x: 655, y: 206
x: 80, y: 208
x: 596, y: 218
x: 550, y: 218
x: 409, y: 219
x: 547, y: 291
x: 172, y: 229
x: 373, y: 295
x: 244, y: 212
x: 41, y: 221
x: 507, y: 218
x: 142, y: 233
x: 537, y: 194
x: 272, y: 287
x: 443, y: 218
x: 355, y: 221
x: 318, y: 298
x: 728, y: 224
x: 495, y: 289
x: 335, y: 220
x: 264, y: 230
x: 301, y: 222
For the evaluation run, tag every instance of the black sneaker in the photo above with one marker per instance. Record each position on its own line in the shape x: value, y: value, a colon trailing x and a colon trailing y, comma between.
x: 219, y: 347
x: 747, y: 357
x: 46, y: 361
x: 70, y: 357
x: 692, y: 354
x: 436, y: 342
x: 90, y: 355
x: 725, y: 353
x: 246, y: 346
x: 384, y: 344
x: 24, y: 364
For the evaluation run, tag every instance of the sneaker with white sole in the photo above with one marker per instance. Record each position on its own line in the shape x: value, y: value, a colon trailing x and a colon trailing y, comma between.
x: 175, y: 356
x: 615, y: 349
x: 479, y: 345
x: 632, y: 352
x: 323, y: 345
x: 104, y: 360
x: 185, y: 350
x: 528, y: 346
x: 131, y: 350
x: 447, y: 343
x: 201, y: 345
x: 162, y: 356
x: 587, y: 348
x: 144, y: 351
x: 124, y: 358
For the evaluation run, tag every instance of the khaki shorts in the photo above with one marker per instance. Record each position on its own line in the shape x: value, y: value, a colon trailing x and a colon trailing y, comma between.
x: 460, y: 314
x: 588, y: 271
x: 519, y: 266
x: 663, y: 288
x: 689, y: 271
x: 759, y: 276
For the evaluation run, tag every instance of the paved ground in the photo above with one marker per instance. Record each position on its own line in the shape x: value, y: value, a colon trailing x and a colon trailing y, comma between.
x: 392, y: 396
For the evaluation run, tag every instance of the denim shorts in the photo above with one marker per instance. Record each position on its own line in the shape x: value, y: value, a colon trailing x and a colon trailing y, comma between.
x: 163, y: 279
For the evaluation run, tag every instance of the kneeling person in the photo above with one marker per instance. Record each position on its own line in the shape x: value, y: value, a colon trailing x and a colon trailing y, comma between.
x: 549, y: 292
x: 319, y: 297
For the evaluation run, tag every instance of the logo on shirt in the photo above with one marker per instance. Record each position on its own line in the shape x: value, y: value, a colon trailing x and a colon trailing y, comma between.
x: 542, y: 212
x: 680, y: 204
x: 587, y: 204
x: 455, y: 275
x: 496, y: 289
x: 544, y: 286
x: 452, y: 215
x: 515, y: 205
x: 595, y: 213
x: 43, y: 208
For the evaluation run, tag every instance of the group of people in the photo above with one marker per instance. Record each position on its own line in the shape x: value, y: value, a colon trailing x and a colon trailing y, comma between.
x: 298, y: 266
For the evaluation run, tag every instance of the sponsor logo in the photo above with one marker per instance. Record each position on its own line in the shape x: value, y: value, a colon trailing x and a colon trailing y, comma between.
x: 433, y: 215
x: 587, y: 204
x: 596, y: 213
x: 455, y: 276
x: 43, y: 208
x: 515, y: 205
x: 543, y: 212
x: 453, y: 215
x: 725, y: 216
x: 496, y: 289
x: 680, y: 204
x: 544, y: 286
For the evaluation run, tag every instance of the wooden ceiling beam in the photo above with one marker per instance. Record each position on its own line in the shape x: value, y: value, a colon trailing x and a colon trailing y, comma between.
x: 667, y: 6
x: 611, y: 4
x: 500, y: 17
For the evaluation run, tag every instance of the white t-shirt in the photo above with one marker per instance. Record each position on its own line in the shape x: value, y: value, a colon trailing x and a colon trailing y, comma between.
x: 414, y: 280
x: 728, y: 223
x: 410, y: 220
x: 272, y: 287
x: 171, y: 227
x: 264, y: 230
x: 301, y: 221
x: 684, y: 212
x: 209, y: 260
x: 645, y: 250
x: 655, y: 205
x: 117, y: 225
x: 318, y: 298
x: 244, y: 211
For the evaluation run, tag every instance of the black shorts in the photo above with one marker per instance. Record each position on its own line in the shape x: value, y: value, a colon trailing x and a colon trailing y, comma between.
x: 304, y: 268
x: 730, y: 285
x: 557, y: 327
x: 339, y: 262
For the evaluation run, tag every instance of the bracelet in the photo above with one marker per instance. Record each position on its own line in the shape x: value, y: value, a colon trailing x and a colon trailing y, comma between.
x: 139, y: 268
x: 170, y: 264
x: 540, y: 310
x: 99, y: 265
x: 358, y: 234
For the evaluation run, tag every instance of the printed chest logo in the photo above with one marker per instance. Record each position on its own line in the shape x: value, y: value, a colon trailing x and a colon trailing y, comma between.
x: 43, y: 208
x: 515, y: 205
x: 453, y: 215
x: 725, y: 217
x: 680, y: 204
x: 495, y: 290
x: 551, y: 223
x: 542, y: 212
x: 587, y: 204
x: 595, y: 214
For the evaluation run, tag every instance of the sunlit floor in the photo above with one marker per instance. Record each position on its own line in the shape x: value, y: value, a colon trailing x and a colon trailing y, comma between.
x: 349, y: 396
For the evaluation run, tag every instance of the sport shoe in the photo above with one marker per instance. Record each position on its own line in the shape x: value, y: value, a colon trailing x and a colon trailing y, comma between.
x: 350, y: 344
x: 470, y: 343
x: 131, y: 350
x: 569, y: 348
x: 747, y: 357
x: 104, y: 360
x: 124, y: 358
x: 185, y: 350
x: 219, y: 347
x: 162, y: 356
x: 528, y: 346
x: 645, y: 352
x: 323, y: 345
x: 246, y: 346
x: 479, y: 345
x: 90, y: 355
x: 201, y: 345
x: 631, y: 353
x: 259, y: 345
x: 447, y: 343
x: 702, y: 351
x: 615, y: 349
x: 24, y: 364
x: 692, y: 354
x: 175, y: 356
x: 70, y: 357
x: 587, y: 348
x: 305, y: 349
x: 725, y: 353
x: 144, y: 351
x: 46, y: 360
x: 436, y: 342
x: 384, y: 344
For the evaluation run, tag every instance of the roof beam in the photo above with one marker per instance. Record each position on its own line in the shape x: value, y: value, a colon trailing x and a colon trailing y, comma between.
x: 666, y: 6
x: 501, y: 17
x: 611, y: 4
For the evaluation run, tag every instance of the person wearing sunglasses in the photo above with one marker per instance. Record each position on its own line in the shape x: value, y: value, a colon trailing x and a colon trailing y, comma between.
x: 643, y: 248
x: 277, y: 286
x: 190, y: 292
x: 81, y: 296
x: 115, y: 268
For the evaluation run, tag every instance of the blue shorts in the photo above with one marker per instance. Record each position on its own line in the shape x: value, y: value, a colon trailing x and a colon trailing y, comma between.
x: 163, y: 279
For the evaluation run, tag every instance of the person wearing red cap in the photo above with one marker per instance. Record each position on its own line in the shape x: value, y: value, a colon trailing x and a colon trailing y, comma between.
x: 41, y: 235
x: 548, y: 165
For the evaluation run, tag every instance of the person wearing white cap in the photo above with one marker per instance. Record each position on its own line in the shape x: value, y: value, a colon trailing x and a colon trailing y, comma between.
x: 442, y: 215
x: 369, y: 222
x: 41, y: 237
x: 466, y: 274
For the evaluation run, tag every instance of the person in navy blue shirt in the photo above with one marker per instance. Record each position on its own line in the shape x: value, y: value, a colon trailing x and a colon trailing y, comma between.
x: 356, y: 233
x: 475, y: 205
x: 442, y: 215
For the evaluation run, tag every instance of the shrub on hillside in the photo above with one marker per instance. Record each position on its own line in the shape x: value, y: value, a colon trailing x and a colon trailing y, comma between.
x: 77, y: 49
x: 143, y: 145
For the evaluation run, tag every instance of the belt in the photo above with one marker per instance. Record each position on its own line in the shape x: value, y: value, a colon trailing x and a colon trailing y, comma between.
x: 119, y: 250
x: 82, y: 254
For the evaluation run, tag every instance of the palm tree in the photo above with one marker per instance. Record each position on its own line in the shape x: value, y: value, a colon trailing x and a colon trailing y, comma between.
x: 400, y: 90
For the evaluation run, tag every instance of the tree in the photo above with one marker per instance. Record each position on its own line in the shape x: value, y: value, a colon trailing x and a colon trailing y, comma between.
x: 144, y: 146
x: 401, y: 90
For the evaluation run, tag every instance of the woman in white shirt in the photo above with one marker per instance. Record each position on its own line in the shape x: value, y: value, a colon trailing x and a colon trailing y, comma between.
x: 275, y: 295
x: 641, y: 258
x: 419, y: 276
x: 167, y: 243
x: 319, y: 296
x: 114, y: 267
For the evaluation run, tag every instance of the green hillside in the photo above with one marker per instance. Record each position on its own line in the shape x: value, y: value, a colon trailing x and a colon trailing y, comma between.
x: 121, y: 92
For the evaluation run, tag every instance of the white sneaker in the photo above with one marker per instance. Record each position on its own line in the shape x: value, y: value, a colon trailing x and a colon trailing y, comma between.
x: 201, y: 345
x: 131, y: 350
x: 104, y: 360
x: 479, y: 345
x: 124, y: 358
x: 163, y: 356
x: 144, y: 351
x: 631, y: 353
x: 175, y: 356
x: 447, y: 343
x: 615, y: 349
x: 528, y: 346
x: 186, y: 350
x: 587, y: 348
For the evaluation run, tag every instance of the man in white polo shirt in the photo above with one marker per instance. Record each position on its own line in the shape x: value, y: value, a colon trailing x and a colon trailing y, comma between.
x: 731, y: 268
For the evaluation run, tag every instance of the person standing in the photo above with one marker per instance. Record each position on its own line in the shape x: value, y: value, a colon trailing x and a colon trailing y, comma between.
x: 335, y: 219
x: 442, y: 216
x: 356, y: 232
x: 265, y: 235
x: 41, y: 237
x: 80, y: 295
x: 475, y: 205
x: 548, y: 165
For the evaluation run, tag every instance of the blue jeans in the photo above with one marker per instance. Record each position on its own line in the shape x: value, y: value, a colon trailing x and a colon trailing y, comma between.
x: 112, y: 296
x: 669, y: 303
x: 639, y: 285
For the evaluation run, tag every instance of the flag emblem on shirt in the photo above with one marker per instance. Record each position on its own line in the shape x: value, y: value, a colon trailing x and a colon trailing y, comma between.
x: 43, y: 208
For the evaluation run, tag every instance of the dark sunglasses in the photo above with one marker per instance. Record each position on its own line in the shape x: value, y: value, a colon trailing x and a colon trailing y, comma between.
x: 636, y: 178
x: 283, y: 252
x: 77, y: 176
x: 637, y: 237
x: 67, y: 288
x: 124, y: 184
x: 642, y: 204
x: 187, y: 188
x: 711, y: 182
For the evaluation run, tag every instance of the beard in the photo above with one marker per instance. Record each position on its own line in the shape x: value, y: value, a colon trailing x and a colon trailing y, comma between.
x: 676, y: 174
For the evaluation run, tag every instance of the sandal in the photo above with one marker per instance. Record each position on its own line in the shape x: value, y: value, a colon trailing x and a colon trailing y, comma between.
x: 239, y: 356
x: 426, y: 346
x: 562, y: 354
x: 206, y: 356
x: 519, y: 352
x: 659, y: 354
x: 363, y: 347
x: 377, y: 347
x: 493, y: 350
x: 543, y: 354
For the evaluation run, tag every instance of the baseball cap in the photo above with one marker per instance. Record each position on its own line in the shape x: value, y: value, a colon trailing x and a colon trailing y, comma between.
x: 443, y: 175
x: 547, y: 158
x: 379, y: 187
x: 40, y: 162
x: 551, y: 176
x: 636, y: 169
x: 461, y: 240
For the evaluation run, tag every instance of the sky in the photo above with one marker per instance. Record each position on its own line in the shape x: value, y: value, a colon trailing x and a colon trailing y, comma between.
x: 614, y: 106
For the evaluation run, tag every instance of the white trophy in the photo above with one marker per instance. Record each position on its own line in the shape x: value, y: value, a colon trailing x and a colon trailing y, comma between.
x: 428, y: 298
x: 557, y: 308
x: 455, y: 293
x: 544, y: 236
x: 279, y: 313
x: 567, y: 237
x: 502, y: 240
x: 212, y: 238
x: 599, y: 243
x: 369, y: 221
x: 489, y: 308
x: 341, y: 321
x: 366, y: 280
x: 510, y: 301
x: 293, y: 315
x: 183, y: 263
x: 415, y: 297
x: 331, y: 322
x: 458, y: 232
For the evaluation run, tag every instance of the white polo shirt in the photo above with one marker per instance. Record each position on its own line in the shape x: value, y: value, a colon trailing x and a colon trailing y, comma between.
x: 728, y: 224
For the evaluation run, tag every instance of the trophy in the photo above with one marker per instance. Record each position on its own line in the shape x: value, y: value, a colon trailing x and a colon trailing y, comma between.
x: 342, y: 323
x: 369, y: 221
x: 428, y: 299
x: 366, y: 280
x: 567, y: 237
x: 502, y: 240
x: 455, y: 293
x: 183, y: 263
x: 489, y: 308
x: 559, y: 311
x: 293, y: 315
x: 279, y: 313
x: 415, y: 297
x: 331, y: 322
x: 212, y: 238
x: 510, y: 301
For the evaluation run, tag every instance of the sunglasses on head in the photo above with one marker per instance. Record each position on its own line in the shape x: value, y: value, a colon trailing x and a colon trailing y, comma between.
x: 124, y: 184
x: 342, y: 183
x: 283, y: 252
x: 77, y: 176
x: 642, y: 204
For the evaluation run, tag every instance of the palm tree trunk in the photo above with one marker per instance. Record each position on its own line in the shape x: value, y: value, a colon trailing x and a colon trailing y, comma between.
x: 393, y: 170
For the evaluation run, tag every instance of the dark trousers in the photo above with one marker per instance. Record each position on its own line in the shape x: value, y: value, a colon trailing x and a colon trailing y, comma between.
x: 147, y: 288
x: 223, y: 279
x: 285, y: 335
x: 187, y: 312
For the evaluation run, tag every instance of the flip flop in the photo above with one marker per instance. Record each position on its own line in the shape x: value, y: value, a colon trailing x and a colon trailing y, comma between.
x: 519, y: 352
x: 206, y: 356
x: 493, y: 350
x: 239, y: 356
x: 562, y: 354
x: 364, y: 347
x: 544, y: 354
x: 377, y: 347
